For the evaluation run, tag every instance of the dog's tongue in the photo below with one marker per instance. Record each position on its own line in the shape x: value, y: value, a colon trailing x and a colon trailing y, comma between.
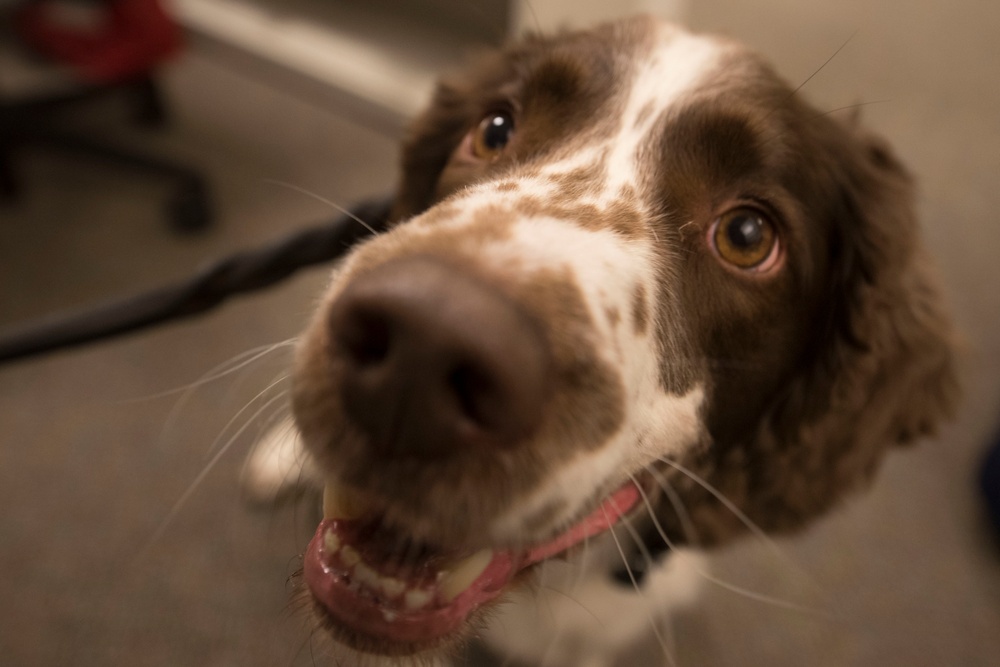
x: 380, y: 599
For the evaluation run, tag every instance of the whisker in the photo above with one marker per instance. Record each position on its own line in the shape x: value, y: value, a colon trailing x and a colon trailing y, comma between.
x: 731, y: 506
x: 172, y: 514
x: 766, y: 599
x: 757, y: 531
x: 753, y: 595
x: 324, y: 200
x: 825, y: 63
x: 534, y: 16
x: 851, y: 106
x: 217, y: 372
x: 635, y: 584
x: 575, y: 601
x: 246, y: 407
x: 687, y: 525
x: 581, y: 567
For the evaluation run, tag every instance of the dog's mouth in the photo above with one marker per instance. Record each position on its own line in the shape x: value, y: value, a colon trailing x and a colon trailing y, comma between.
x: 386, y: 593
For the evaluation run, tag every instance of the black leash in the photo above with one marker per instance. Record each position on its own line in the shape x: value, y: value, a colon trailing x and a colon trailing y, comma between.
x: 242, y: 272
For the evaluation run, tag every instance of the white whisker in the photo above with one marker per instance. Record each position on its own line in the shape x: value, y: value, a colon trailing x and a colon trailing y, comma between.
x: 687, y: 525
x: 172, y: 514
x: 324, y: 200
x: 760, y: 597
x: 577, y: 602
x: 225, y: 369
x: 766, y: 599
x: 217, y: 372
x: 744, y: 519
x: 635, y: 584
x: 246, y: 407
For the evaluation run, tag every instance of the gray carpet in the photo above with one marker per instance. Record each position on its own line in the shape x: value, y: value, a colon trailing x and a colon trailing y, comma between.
x: 91, y: 465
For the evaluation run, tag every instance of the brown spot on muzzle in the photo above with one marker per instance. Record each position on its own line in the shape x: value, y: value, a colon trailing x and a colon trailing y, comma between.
x: 620, y: 217
x: 588, y: 403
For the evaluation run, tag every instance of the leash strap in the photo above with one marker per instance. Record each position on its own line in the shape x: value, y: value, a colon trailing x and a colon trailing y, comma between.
x: 243, y: 272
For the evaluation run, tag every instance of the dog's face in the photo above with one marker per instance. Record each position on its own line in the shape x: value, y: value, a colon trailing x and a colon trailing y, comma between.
x: 623, y: 259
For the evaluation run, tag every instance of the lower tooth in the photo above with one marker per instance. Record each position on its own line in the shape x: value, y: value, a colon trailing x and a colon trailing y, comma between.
x: 464, y: 574
x: 331, y: 542
x: 416, y: 599
x: 350, y: 556
x: 391, y: 586
x: 365, y: 575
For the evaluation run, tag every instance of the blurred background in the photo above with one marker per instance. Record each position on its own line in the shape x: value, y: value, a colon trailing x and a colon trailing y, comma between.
x: 228, y: 100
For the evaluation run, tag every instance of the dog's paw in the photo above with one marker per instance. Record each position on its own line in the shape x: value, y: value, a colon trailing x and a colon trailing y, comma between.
x: 278, y: 468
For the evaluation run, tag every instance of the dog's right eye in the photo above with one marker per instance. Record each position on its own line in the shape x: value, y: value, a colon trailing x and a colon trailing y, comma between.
x: 492, y: 135
x: 746, y: 239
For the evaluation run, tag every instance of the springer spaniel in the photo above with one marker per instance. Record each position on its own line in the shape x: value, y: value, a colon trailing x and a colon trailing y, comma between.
x: 636, y: 292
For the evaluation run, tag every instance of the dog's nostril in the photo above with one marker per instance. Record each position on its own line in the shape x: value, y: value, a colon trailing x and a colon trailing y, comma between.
x: 476, y: 393
x: 365, y: 337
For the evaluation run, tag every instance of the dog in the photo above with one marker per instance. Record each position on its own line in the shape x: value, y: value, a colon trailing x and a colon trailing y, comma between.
x: 636, y: 292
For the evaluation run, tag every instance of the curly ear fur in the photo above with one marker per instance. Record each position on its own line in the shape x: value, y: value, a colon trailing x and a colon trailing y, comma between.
x: 883, y: 373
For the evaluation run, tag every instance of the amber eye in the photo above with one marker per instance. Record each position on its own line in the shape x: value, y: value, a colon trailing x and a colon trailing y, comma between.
x: 746, y: 239
x: 492, y: 135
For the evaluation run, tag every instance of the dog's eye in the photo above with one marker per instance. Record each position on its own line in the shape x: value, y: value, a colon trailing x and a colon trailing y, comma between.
x: 746, y: 239
x: 492, y: 135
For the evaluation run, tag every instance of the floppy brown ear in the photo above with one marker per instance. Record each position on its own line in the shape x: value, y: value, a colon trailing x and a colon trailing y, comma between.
x: 886, y: 373
x: 457, y: 105
x: 429, y: 144
x: 882, y: 373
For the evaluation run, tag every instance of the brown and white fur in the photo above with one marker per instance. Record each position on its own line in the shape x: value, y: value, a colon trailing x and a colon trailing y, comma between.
x: 657, y: 356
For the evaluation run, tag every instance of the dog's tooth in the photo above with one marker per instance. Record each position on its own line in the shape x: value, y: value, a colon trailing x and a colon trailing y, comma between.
x: 331, y: 542
x: 365, y: 576
x: 389, y: 615
x: 350, y: 556
x: 391, y: 586
x: 338, y: 503
x: 461, y: 576
x: 417, y: 599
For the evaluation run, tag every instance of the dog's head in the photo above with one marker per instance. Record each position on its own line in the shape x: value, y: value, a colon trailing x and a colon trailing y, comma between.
x: 624, y: 260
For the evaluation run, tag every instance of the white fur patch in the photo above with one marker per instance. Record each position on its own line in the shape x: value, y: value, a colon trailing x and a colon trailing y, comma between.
x: 678, y: 64
x: 278, y: 466
x: 577, y: 616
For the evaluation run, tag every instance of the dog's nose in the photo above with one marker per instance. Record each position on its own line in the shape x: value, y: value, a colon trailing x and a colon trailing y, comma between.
x: 432, y: 360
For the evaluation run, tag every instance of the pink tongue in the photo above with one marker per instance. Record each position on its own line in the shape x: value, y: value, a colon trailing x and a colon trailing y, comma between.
x: 361, y: 610
x: 598, y: 521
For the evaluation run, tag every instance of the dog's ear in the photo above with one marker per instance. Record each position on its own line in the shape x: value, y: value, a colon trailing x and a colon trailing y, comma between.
x: 459, y: 103
x: 430, y: 142
x: 881, y: 372
x: 884, y: 371
x: 888, y: 366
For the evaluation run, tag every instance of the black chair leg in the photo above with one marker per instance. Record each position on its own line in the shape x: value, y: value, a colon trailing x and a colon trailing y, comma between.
x: 188, y: 210
x: 9, y: 190
x: 150, y: 106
